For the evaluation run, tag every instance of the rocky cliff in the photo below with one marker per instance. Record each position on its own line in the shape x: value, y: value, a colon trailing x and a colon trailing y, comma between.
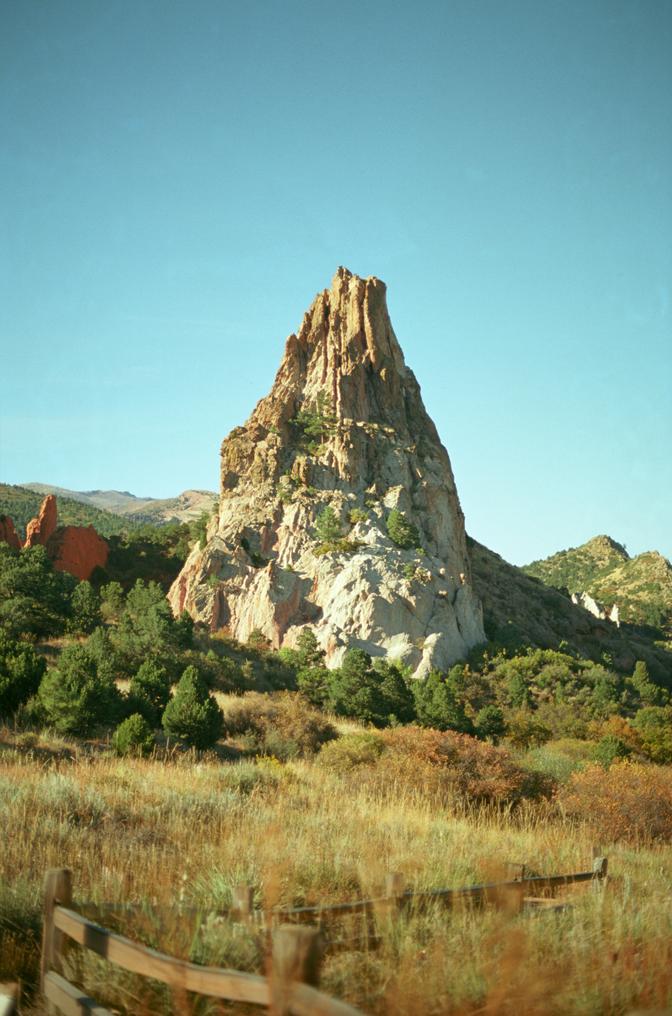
x: 308, y: 488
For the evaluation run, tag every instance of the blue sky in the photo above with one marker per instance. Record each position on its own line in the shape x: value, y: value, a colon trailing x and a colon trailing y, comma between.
x: 178, y: 179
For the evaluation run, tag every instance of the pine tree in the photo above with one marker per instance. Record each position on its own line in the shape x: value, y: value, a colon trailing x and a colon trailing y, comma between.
x: 21, y: 671
x: 327, y: 526
x: 79, y: 695
x: 85, y: 612
x: 133, y: 737
x: 193, y: 714
x: 149, y: 691
x: 401, y: 531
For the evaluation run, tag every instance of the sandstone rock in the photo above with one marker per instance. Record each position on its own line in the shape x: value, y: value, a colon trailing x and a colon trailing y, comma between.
x: 41, y: 528
x: 77, y: 550
x: 8, y: 533
x: 343, y: 426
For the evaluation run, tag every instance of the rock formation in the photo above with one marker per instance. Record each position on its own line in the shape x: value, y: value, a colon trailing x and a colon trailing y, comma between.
x: 588, y: 603
x: 8, y: 533
x: 74, y: 549
x: 344, y: 427
x: 41, y: 528
x: 77, y: 550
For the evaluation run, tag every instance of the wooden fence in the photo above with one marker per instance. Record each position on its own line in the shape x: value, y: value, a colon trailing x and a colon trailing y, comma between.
x: 296, y: 950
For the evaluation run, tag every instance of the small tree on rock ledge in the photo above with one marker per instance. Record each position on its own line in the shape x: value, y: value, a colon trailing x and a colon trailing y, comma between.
x: 327, y: 526
x: 401, y: 531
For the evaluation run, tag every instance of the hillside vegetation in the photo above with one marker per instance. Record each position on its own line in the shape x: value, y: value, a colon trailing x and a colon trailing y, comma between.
x: 641, y: 586
x: 22, y: 505
x: 521, y: 610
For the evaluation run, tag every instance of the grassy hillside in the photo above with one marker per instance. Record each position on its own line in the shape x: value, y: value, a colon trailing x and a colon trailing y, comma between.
x: 641, y: 586
x: 521, y: 609
x: 22, y: 505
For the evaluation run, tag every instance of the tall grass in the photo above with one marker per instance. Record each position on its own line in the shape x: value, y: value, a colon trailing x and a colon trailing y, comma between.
x: 161, y: 833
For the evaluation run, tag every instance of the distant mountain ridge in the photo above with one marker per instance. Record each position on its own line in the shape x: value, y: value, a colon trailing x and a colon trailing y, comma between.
x: 641, y: 586
x: 22, y: 505
x: 185, y: 507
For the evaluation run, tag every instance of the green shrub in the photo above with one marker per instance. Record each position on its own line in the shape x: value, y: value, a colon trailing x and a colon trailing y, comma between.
x: 559, y: 759
x: 350, y: 751
x: 438, y: 705
x: 654, y: 726
x: 609, y: 749
x: 149, y: 691
x: 490, y: 724
x: 313, y: 683
x: 328, y: 528
x: 80, y: 694
x: 650, y: 694
x: 523, y: 730
x: 401, y: 531
x: 133, y: 737
x: 354, y: 689
x: 193, y: 714
x: 314, y: 424
x: 356, y: 515
x: 21, y: 671
x: 85, y: 612
x: 337, y: 547
x: 111, y: 601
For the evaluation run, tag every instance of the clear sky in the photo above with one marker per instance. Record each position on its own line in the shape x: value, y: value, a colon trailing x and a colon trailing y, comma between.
x: 178, y: 179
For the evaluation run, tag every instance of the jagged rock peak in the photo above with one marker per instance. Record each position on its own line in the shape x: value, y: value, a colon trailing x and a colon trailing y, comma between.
x: 344, y: 427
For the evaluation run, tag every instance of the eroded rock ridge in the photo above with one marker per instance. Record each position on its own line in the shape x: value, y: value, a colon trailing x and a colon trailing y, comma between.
x: 344, y: 428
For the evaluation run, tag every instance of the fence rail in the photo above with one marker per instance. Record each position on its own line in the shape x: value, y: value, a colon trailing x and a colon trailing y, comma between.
x: 297, y: 950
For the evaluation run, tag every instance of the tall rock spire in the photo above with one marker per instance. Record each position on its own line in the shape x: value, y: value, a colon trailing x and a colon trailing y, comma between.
x: 344, y: 427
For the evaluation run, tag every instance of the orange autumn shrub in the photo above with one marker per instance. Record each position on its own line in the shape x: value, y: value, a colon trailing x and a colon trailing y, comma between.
x: 458, y: 766
x: 629, y: 801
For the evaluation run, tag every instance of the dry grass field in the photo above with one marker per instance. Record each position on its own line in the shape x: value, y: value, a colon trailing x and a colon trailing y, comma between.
x: 164, y: 832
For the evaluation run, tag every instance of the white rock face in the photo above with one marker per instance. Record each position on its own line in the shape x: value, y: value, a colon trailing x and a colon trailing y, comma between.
x: 586, y: 601
x: 344, y: 426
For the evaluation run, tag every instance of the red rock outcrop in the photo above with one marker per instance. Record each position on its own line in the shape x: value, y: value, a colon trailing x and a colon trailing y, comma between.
x: 8, y: 533
x: 40, y: 529
x: 77, y: 550
x: 74, y: 549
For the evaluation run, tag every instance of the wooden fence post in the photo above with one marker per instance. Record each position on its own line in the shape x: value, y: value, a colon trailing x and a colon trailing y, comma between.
x: 297, y: 956
x: 515, y: 871
x: 600, y: 865
x: 395, y: 887
x: 242, y: 901
x: 9, y: 994
x: 57, y: 890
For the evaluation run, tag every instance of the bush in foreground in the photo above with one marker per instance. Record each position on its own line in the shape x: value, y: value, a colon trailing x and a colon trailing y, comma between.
x: 193, y: 714
x: 456, y: 767
x: 281, y: 724
x: 21, y: 671
x: 133, y: 737
x: 80, y: 694
x: 629, y: 801
x: 149, y: 691
x: 350, y: 751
